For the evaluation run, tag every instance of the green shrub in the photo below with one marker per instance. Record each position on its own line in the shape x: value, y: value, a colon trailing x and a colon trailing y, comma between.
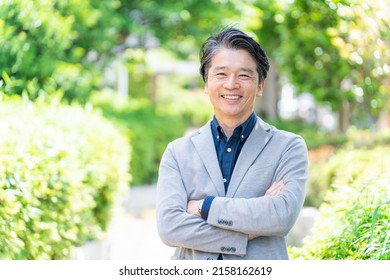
x: 60, y: 169
x: 354, y: 218
x: 314, y: 136
x: 354, y: 226
x: 148, y: 130
x: 366, y: 139
x: 343, y: 168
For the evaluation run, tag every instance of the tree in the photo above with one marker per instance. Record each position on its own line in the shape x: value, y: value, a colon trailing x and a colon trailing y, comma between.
x: 55, y: 45
x: 311, y: 43
x: 180, y: 26
x: 363, y: 40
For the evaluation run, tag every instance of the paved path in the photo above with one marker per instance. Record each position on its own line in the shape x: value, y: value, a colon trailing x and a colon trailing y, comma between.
x: 132, y: 233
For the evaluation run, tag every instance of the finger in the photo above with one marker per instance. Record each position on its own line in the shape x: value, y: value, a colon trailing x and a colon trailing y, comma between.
x: 276, y: 186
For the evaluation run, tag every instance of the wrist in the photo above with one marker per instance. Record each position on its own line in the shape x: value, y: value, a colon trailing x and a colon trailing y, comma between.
x: 200, y: 204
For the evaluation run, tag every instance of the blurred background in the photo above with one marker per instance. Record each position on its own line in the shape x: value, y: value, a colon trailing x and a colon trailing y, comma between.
x: 92, y: 91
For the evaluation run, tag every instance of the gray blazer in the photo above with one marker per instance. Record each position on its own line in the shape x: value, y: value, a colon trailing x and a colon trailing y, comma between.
x: 189, y: 170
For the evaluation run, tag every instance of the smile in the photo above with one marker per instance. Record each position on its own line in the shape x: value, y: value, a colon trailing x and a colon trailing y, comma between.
x: 231, y: 97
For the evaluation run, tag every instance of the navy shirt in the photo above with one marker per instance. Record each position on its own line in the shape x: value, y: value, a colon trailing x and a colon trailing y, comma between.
x: 228, y: 152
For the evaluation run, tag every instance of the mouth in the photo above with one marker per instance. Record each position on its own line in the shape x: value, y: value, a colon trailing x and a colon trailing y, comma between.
x: 231, y: 97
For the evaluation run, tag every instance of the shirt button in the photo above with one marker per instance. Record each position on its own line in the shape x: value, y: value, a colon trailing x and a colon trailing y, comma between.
x: 224, y: 180
x: 229, y: 150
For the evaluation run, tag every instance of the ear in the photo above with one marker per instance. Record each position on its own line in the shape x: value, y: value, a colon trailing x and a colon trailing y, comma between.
x: 260, y: 90
x: 205, y: 88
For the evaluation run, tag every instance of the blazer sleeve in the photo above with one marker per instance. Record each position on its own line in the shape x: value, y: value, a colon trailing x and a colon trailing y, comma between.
x: 268, y: 215
x: 178, y: 228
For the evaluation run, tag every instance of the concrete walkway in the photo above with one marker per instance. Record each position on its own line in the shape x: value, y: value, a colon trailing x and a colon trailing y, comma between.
x: 132, y: 233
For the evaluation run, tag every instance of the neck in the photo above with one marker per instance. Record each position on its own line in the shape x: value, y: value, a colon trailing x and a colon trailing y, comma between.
x: 229, y: 124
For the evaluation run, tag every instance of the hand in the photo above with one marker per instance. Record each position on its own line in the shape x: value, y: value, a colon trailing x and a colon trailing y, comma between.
x: 193, y: 207
x: 251, y: 236
x: 275, y: 189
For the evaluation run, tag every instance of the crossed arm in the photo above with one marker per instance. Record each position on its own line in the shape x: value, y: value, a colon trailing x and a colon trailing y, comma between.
x: 274, y: 189
x: 193, y: 206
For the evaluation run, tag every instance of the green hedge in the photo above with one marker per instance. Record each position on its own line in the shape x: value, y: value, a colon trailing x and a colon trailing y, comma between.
x: 342, y: 165
x: 149, y: 132
x: 60, y: 169
x: 314, y: 136
x: 354, y: 218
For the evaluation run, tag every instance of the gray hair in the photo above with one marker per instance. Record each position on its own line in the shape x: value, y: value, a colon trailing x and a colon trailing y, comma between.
x: 235, y: 39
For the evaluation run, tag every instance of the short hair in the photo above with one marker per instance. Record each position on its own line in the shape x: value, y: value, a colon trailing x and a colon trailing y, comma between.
x: 235, y: 39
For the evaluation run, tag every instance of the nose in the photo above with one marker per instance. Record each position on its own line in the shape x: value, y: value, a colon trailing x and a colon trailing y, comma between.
x: 231, y: 82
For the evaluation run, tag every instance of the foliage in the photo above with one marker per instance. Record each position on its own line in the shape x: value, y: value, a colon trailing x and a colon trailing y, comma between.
x: 351, y: 189
x: 344, y: 163
x: 302, y: 49
x: 60, y: 170
x: 353, y: 228
x: 178, y: 25
x: 148, y: 130
x: 314, y: 136
x: 337, y: 50
x: 362, y: 37
x: 55, y: 45
x: 140, y: 78
x: 181, y: 97
x: 366, y: 139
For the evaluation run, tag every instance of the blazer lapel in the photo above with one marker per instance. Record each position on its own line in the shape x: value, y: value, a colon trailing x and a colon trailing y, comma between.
x: 204, y: 145
x: 257, y: 140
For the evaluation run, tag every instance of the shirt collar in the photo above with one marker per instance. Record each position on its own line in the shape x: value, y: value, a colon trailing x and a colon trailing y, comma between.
x: 244, y: 129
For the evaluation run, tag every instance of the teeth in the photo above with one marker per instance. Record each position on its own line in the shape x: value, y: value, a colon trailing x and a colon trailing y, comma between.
x: 231, y: 97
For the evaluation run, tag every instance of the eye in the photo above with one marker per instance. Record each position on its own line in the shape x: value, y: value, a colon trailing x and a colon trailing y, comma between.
x: 221, y: 74
x: 245, y: 76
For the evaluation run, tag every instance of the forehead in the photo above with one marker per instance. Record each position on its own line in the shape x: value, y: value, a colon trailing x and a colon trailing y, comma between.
x: 233, y: 59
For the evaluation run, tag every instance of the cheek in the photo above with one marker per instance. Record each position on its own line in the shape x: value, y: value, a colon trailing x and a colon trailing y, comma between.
x: 211, y: 88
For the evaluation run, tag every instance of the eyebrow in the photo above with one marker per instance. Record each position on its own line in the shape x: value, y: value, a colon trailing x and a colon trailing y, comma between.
x: 245, y: 69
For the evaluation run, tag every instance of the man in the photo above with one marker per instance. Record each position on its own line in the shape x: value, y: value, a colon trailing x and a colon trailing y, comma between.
x: 233, y: 189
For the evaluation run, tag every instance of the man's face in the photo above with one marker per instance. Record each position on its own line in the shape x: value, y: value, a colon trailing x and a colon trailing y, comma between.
x: 233, y: 84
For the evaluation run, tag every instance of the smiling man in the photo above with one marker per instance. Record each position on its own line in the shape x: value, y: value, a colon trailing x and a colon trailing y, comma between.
x: 234, y: 188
